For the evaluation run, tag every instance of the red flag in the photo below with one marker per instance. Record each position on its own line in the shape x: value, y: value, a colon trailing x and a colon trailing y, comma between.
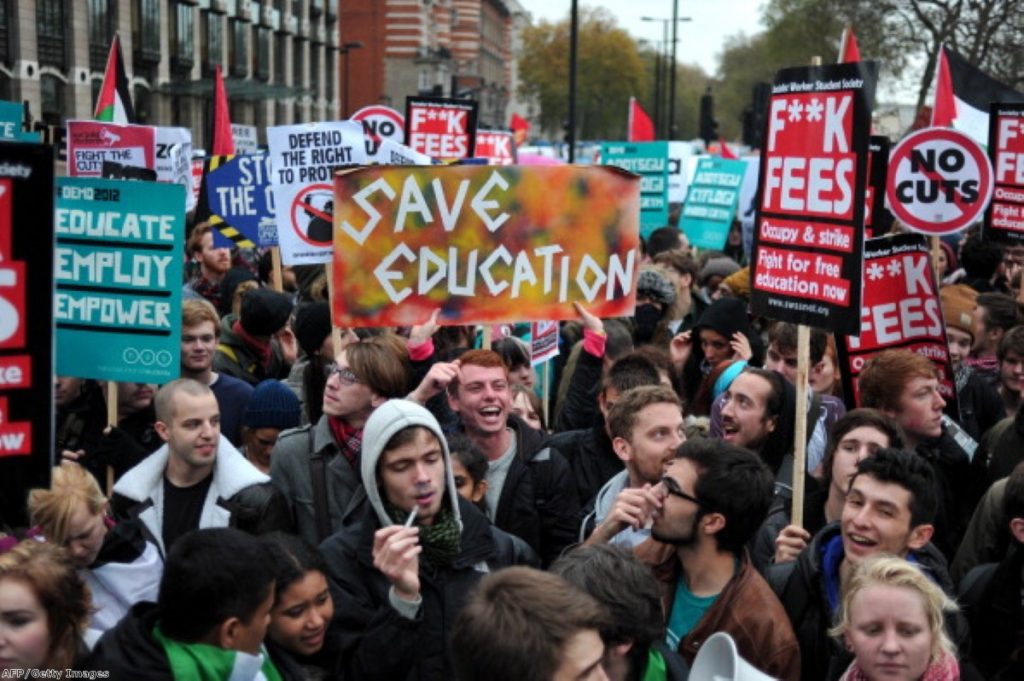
x: 223, y: 142
x: 848, y: 50
x: 725, y: 151
x: 520, y: 128
x: 641, y: 129
x: 944, y: 107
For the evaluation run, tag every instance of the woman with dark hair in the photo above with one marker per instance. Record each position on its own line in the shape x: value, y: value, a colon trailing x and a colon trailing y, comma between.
x: 298, y: 636
x: 469, y: 467
x: 516, y: 355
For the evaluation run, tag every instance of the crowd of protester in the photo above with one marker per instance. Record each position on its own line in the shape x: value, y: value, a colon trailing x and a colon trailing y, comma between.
x: 317, y: 503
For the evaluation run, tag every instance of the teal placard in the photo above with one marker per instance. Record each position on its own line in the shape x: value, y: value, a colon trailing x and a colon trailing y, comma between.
x: 10, y: 124
x: 118, y: 273
x: 649, y: 160
x: 711, y: 201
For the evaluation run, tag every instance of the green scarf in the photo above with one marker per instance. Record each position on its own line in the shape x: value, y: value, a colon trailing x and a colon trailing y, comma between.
x: 656, y: 668
x: 203, y: 662
x: 440, y: 541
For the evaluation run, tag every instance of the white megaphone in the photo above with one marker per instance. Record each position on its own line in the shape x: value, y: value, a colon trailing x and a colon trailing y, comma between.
x: 718, y: 660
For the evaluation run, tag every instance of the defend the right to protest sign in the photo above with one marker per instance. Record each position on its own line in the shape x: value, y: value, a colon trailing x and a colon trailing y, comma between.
x: 649, y: 160
x: 441, y: 128
x: 485, y: 244
x: 901, y: 310
x: 90, y: 143
x: 303, y: 159
x: 807, y: 255
x: 711, y: 202
x: 118, y: 270
x: 1004, y: 220
x: 26, y: 324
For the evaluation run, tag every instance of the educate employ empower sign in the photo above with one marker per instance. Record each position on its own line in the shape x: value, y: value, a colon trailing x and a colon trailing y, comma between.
x: 118, y: 271
x: 484, y: 244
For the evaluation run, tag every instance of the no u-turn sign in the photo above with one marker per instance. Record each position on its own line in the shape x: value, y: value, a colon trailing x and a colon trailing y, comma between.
x: 940, y: 181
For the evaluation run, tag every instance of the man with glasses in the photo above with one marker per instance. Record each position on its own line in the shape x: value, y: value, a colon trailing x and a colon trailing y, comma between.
x: 317, y: 465
x: 713, y: 496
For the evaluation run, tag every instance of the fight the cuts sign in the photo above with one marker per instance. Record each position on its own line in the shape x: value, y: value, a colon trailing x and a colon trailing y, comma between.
x: 940, y: 181
x: 441, y: 128
x: 901, y: 310
x: 809, y: 228
x: 1004, y: 220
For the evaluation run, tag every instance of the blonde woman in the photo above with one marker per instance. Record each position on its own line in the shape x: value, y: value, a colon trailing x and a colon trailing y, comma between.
x: 893, y: 623
x: 117, y: 563
x: 44, y: 608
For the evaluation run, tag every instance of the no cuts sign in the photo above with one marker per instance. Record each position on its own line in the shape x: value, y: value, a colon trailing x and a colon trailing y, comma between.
x: 442, y: 128
x: 809, y: 229
x: 940, y: 181
x: 380, y: 123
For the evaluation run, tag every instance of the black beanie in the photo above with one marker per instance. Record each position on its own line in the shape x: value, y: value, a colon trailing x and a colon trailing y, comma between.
x: 232, y: 279
x: 264, y: 312
x: 272, y: 405
x: 312, y: 326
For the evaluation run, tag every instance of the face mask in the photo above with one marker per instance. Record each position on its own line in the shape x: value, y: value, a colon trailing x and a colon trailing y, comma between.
x: 647, y: 317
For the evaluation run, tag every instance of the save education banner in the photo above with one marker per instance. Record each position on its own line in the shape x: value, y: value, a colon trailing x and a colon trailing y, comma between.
x: 241, y: 201
x: 901, y: 310
x: 807, y: 255
x: 118, y: 270
x: 26, y: 324
x: 486, y: 244
x: 649, y: 160
x: 1004, y: 219
x: 711, y: 201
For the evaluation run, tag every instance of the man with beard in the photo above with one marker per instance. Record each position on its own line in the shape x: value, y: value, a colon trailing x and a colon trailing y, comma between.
x: 714, y: 497
x: 213, y: 263
x: 200, y: 330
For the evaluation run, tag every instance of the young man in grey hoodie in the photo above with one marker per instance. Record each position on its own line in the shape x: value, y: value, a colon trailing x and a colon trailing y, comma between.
x: 646, y: 425
x: 406, y: 563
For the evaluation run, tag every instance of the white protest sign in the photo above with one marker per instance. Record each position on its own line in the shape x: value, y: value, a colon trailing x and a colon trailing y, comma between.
x: 303, y: 159
x: 174, y: 160
x: 246, y: 138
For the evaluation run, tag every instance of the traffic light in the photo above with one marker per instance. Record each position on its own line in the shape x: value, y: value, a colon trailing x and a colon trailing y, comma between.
x: 708, y: 124
x: 758, y: 114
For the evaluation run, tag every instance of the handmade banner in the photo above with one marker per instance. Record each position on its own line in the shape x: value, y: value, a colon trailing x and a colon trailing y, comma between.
x: 497, y: 146
x: 901, y: 310
x: 940, y: 181
x: 441, y: 128
x: 246, y: 138
x: 877, y: 218
x: 118, y: 270
x: 485, y: 244
x: 241, y: 201
x: 649, y: 160
x: 90, y: 143
x: 1004, y: 219
x: 543, y: 342
x: 26, y: 339
x: 711, y: 202
x: 11, y: 128
x: 380, y: 123
x: 174, y: 160
x: 303, y: 159
x: 809, y: 229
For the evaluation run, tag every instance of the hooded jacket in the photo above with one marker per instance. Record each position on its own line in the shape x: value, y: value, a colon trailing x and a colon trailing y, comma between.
x: 129, y: 651
x: 602, y: 505
x: 591, y: 458
x: 377, y: 640
x: 239, y: 496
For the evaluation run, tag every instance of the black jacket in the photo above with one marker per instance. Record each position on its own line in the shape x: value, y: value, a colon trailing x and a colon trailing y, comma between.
x: 800, y: 586
x: 376, y: 641
x: 538, y: 501
x: 129, y: 651
x: 579, y: 408
x: 981, y: 407
x: 955, y: 488
x: 591, y: 458
x: 990, y: 598
x: 762, y: 545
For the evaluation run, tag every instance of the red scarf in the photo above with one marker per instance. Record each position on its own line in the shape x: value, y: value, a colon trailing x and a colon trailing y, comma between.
x: 349, y: 439
x: 260, y: 347
x: 944, y: 669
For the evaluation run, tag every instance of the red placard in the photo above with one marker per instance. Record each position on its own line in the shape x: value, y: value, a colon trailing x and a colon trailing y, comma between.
x: 497, y: 146
x: 806, y: 257
x: 90, y: 143
x: 1004, y: 219
x: 940, y: 181
x: 442, y: 128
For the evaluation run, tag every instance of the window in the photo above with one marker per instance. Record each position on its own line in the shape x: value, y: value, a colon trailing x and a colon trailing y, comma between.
x: 5, y: 33
x: 281, y: 59
x: 297, y: 63
x: 239, y: 48
x: 51, y: 32
x: 314, y: 68
x: 52, y: 103
x: 142, y: 101
x: 101, y: 32
x: 330, y: 79
x: 146, y: 32
x: 212, y: 41
x: 182, y: 37
x: 261, y: 56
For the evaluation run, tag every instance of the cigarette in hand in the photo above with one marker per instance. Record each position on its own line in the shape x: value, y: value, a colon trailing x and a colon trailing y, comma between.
x: 412, y: 517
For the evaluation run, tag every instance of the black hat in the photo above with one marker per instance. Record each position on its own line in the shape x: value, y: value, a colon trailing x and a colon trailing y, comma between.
x: 312, y: 326
x: 272, y: 405
x: 264, y: 312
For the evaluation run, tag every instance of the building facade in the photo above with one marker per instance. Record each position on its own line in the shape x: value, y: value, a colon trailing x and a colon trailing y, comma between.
x: 280, y: 58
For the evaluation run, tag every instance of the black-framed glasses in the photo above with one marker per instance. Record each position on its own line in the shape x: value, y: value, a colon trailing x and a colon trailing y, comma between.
x: 672, y: 487
x: 346, y: 375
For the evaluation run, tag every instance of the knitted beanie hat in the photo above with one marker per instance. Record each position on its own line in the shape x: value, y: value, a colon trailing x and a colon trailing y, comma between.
x: 264, y: 312
x: 312, y: 325
x: 272, y: 405
x: 958, y: 302
x: 655, y: 286
x: 721, y: 266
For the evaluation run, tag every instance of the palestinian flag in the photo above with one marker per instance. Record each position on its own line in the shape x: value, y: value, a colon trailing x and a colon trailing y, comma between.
x: 115, y: 102
x: 963, y: 94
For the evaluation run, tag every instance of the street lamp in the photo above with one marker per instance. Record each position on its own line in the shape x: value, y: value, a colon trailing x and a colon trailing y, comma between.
x: 345, y: 49
x: 661, y: 77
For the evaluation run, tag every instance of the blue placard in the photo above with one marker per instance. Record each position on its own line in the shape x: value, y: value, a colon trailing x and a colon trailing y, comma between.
x: 118, y: 272
x: 711, y: 202
x: 649, y: 160
x: 11, y: 114
x: 241, y: 201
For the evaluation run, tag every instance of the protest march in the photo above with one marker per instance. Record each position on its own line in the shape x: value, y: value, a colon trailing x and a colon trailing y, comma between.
x: 385, y: 397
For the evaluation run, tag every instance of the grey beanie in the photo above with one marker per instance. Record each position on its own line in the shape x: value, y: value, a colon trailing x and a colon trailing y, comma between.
x: 655, y: 286
x: 721, y: 266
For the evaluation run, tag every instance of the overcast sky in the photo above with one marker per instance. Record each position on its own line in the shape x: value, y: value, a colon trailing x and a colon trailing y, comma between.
x: 700, y: 40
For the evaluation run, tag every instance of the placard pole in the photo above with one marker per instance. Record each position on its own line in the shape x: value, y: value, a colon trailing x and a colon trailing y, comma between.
x: 276, y: 277
x: 111, y: 423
